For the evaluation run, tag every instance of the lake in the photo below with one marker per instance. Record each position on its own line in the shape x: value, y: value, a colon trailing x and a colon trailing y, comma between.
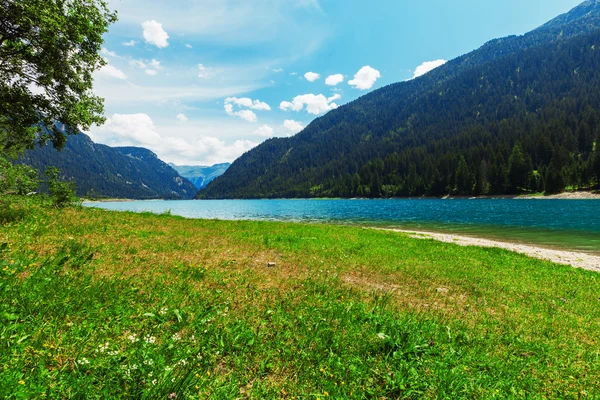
x: 567, y: 224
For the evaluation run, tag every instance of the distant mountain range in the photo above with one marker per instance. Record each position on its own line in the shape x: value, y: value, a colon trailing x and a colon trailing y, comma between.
x: 112, y: 172
x: 201, y: 176
x: 520, y: 114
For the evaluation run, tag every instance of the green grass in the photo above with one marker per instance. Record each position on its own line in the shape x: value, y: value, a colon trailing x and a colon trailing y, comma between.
x: 98, y: 304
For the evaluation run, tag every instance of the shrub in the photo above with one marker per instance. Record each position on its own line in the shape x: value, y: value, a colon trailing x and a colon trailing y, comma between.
x: 62, y: 192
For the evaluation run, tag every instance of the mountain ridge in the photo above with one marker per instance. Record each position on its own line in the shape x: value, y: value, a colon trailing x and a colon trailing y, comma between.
x: 112, y: 172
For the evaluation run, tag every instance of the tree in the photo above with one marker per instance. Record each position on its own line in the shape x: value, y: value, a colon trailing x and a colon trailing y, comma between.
x: 464, y: 178
x: 518, y: 170
x: 49, y: 50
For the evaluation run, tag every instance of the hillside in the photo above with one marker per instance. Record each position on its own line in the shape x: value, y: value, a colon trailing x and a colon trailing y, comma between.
x: 120, y: 172
x: 520, y: 114
x: 200, y: 176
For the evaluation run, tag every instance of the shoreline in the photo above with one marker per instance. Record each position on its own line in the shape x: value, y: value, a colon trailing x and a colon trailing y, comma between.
x: 565, y: 257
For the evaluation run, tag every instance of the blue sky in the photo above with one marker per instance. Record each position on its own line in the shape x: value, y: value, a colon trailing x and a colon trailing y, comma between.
x: 202, y: 81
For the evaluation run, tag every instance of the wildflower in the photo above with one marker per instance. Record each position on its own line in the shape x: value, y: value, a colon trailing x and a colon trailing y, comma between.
x: 382, y: 336
x: 21, y: 382
x: 113, y: 353
x: 176, y: 337
x: 133, y: 338
x: 154, y: 382
x: 163, y: 311
x: 102, y: 348
x: 173, y: 396
x: 182, y: 362
x: 149, y: 339
x: 83, y: 361
x: 148, y: 362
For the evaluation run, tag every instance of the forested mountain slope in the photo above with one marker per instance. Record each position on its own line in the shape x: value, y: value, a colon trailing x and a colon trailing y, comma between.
x: 519, y: 114
x: 119, y: 172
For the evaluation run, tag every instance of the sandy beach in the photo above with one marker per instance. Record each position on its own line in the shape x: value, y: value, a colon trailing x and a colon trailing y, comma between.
x: 574, y: 259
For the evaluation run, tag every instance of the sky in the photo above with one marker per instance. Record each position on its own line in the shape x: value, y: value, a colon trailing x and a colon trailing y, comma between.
x: 200, y: 82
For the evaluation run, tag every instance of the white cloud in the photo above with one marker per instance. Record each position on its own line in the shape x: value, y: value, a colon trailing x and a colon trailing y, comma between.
x: 151, y: 72
x: 181, y: 117
x: 189, y: 46
x: 333, y: 80
x: 112, y: 72
x: 138, y: 64
x: 108, y: 53
x: 131, y: 43
x: 365, y: 78
x: 245, y: 102
x: 265, y: 131
x: 139, y: 130
x: 277, y: 70
x: 248, y: 103
x: 292, y: 126
x: 203, y: 72
x: 311, y: 76
x: 293, y: 73
x: 155, y: 64
x: 315, y: 104
x: 428, y: 66
x: 155, y: 34
x: 247, y: 115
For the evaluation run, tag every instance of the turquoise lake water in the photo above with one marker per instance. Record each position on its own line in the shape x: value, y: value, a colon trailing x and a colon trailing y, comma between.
x: 569, y: 224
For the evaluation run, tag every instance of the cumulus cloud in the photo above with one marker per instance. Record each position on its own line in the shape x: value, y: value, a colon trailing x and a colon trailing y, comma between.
x: 428, y: 66
x: 244, y: 103
x: 311, y: 76
x: 315, y: 104
x: 365, y: 78
x: 292, y: 126
x: 333, y: 80
x: 139, y: 130
x: 248, y: 103
x: 131, y: 43
x: 152, y: 72
x: 181, y: 117
x: 111, y: 72
x: 265, y: 131
x: 155, y: 34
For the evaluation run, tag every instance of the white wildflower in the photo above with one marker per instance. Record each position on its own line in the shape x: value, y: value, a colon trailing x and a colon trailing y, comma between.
x: 83, y: 361
x: 176, y: 337
x: 149, y: 339
x: 382, y: 336
x: 133, y: 338
x: 163, y: 311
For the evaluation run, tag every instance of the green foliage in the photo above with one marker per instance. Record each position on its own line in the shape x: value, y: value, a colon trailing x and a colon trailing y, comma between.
x: 52, y: 45
x: 515, y: 105
x: 62, y: 192
x: 17, y: 179
x: 121, y: 305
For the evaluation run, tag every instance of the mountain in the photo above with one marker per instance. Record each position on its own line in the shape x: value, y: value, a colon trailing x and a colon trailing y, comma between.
x: 201, y: 176
x: 112, y: 172
x: 518, y: 114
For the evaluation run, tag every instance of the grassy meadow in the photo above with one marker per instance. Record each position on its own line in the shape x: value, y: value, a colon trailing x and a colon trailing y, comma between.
x: 99, y: 304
